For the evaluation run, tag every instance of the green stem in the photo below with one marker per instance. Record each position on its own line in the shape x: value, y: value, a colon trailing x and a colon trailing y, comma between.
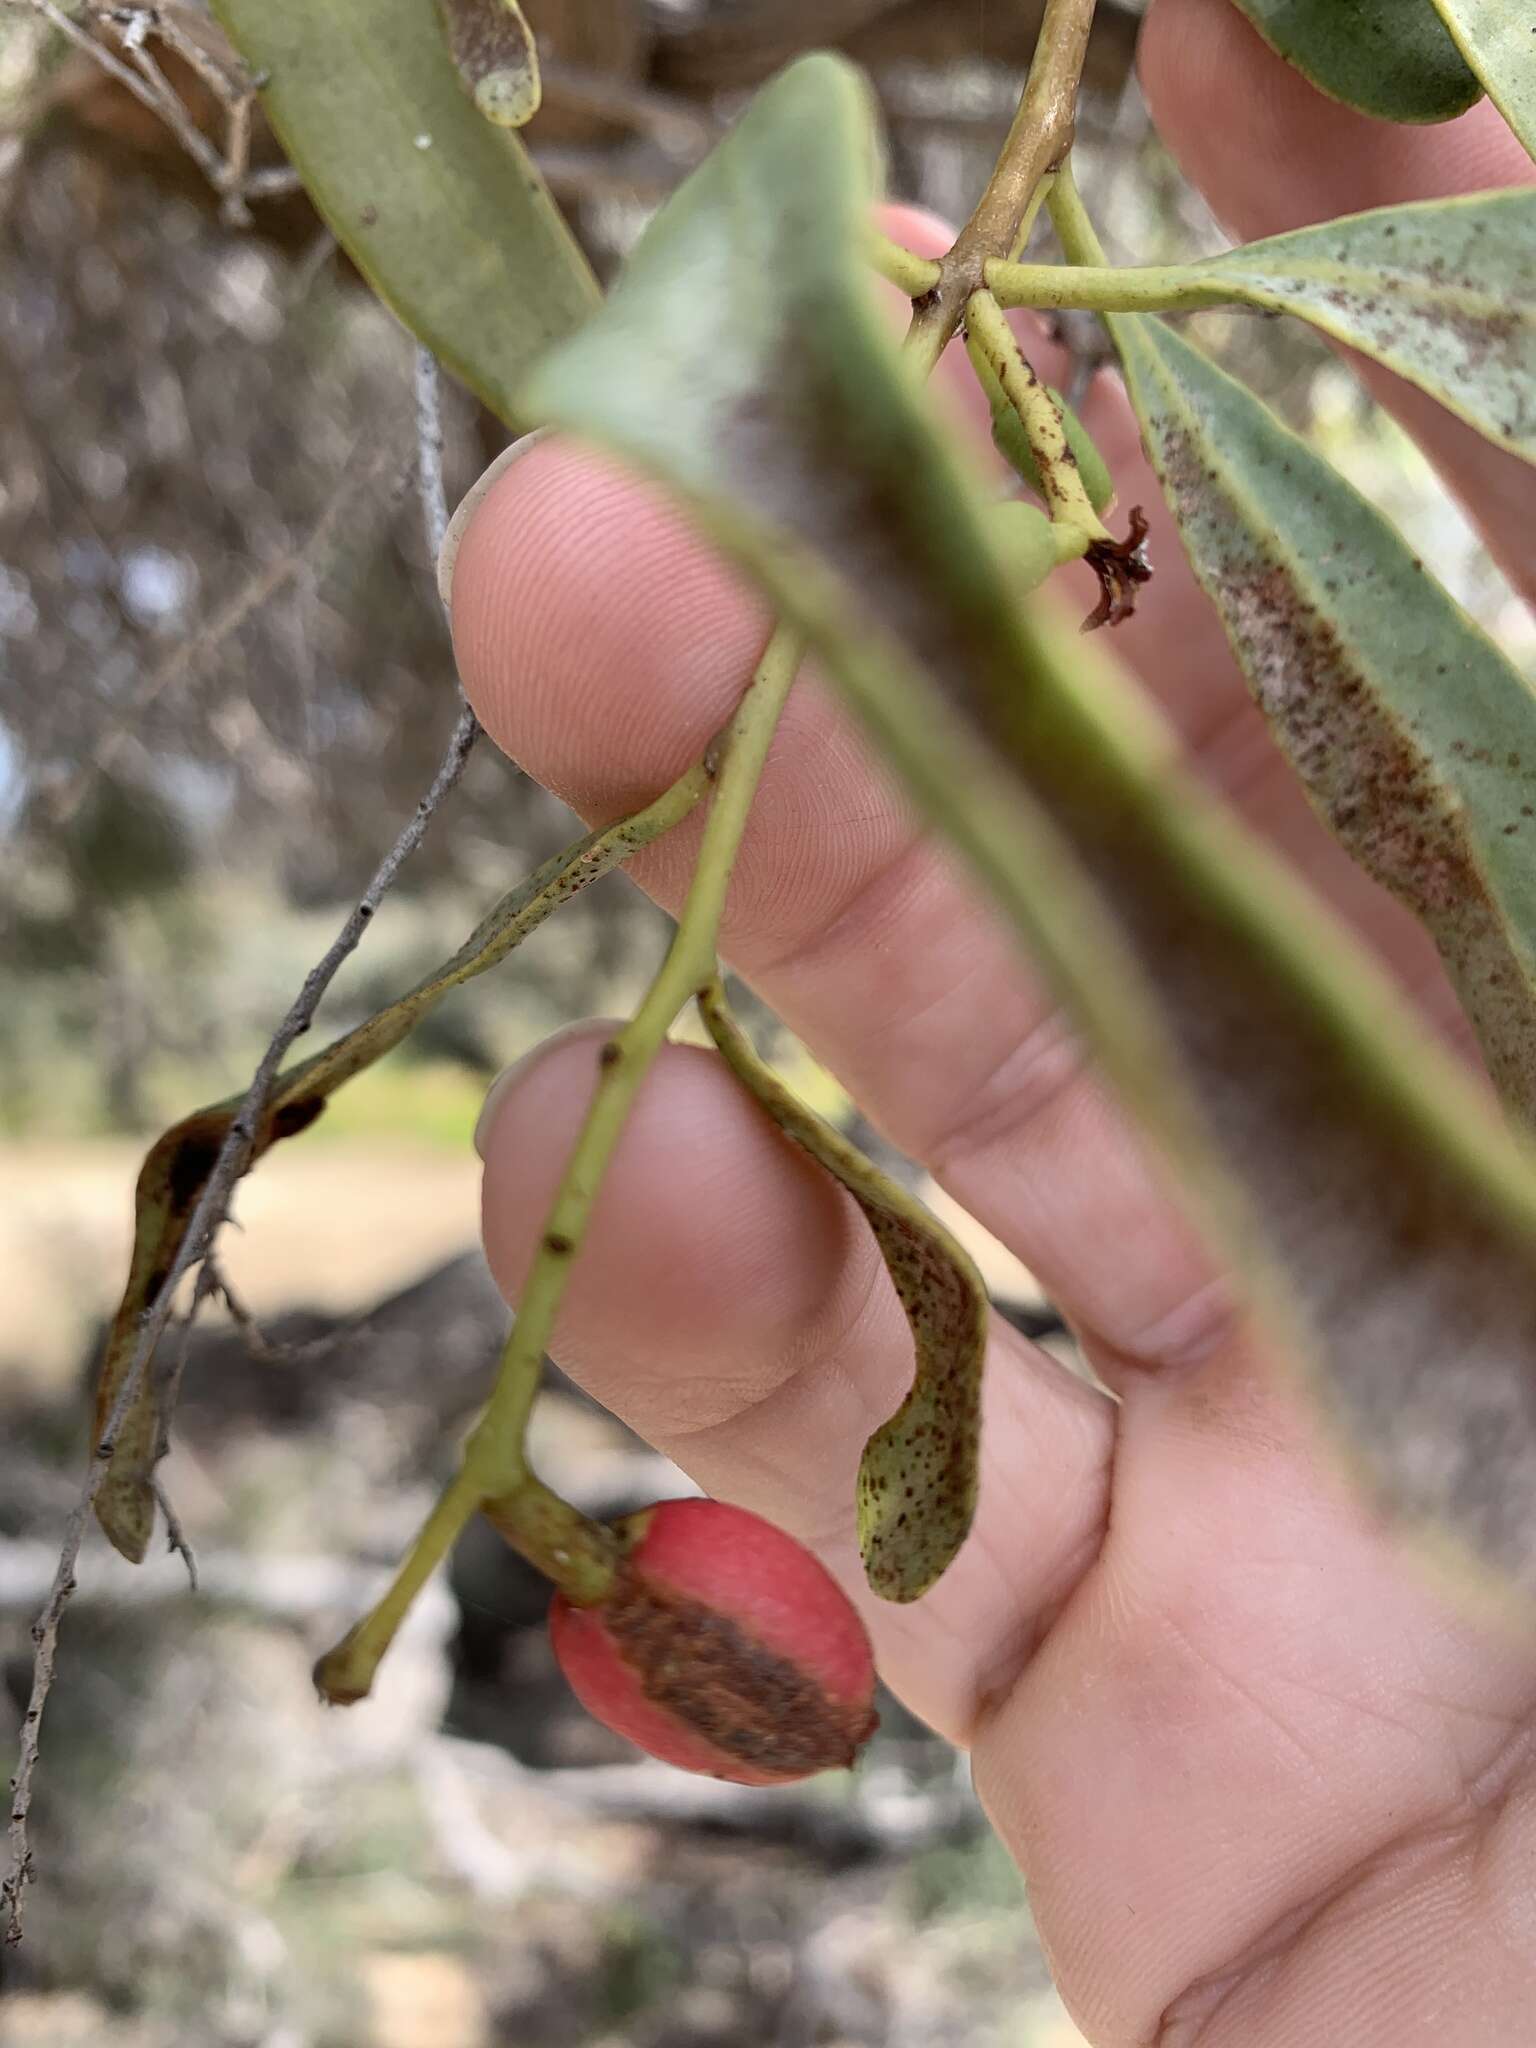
x: 494, y: 1471
x: 1163, y: 288
x: 988, y: 335
x: 1026, y: 226
x: 1074, y: 230
x: 495, y: 1451
x: 345, y: 1673
x: 579, y: 1554
x: 915, y: 275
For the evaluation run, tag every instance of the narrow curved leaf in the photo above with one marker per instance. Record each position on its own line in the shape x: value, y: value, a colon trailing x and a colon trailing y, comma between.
x: 1498, y: 40
x: 1413, y: 733
x: 497, y: 58
x: 442, y: 212
x: 179, y: 1163
x: 1443, y: 293
x: 1384, y: 1216
x: 1391, y: 58
x: 917, y: 1477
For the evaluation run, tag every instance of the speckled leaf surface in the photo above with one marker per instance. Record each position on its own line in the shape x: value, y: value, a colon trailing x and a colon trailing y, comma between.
x: 497, y: 58
x: 442, y: 211
x: 1444, y: 293
x: 1413, y: 733
x: 1391, y: 58
x: 1498, y: 40
x: 179, y: 1163
x: 917, y: 1477
x: 1384, y: 1216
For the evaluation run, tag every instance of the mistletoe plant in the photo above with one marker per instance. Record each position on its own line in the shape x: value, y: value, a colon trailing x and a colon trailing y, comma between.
x: 1379, y: 1206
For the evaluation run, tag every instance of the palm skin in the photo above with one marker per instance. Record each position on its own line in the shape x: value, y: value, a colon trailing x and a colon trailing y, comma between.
x: 1269, y: 1785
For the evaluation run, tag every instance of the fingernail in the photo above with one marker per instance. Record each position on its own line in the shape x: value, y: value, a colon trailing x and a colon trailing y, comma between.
x: 448, y: 554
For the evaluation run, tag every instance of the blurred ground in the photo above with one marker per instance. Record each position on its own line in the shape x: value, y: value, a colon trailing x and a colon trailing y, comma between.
x: 466, y: 1860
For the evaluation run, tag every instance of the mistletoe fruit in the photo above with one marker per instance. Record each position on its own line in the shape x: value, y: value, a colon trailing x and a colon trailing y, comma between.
x: 721, y: 1646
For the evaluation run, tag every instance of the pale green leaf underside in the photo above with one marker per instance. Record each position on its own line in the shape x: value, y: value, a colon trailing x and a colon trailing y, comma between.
x: 1390, y: 58
x: 1388, y: 1220
x: 917, y: 1476
x: 1444, y: 293
x: 178, y: 1164
x: 1498, y: 40
x: 443, y: 212
x: 1414, y: 735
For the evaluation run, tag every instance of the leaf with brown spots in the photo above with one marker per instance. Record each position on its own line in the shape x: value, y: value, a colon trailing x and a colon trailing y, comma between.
x: 1498, y: 40
x: 1414, y: 735
x: 1443, y: 293
x: 1383, y: 1216
x: 443, y: 213
x: 178, y: 1164
x: 917, y: 1477
x: 497, y: 58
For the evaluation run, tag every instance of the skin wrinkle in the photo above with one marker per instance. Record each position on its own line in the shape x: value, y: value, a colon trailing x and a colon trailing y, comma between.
x: 1202, y: 2005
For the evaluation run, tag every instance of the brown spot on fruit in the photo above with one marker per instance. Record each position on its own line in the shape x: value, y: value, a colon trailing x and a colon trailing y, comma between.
x: 724, y: 1647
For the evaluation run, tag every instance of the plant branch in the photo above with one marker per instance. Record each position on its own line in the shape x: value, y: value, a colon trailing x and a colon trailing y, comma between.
x: 228, y: 170
x: 1074, y: 230
x: 208, y: 1217
x: 233, y: 1157
x: 1037, y: 145
x: 1053, y: 287
x: 494, y: 1467
x: 915, y: 275
x: 429, y: 454
x: 989, y: 336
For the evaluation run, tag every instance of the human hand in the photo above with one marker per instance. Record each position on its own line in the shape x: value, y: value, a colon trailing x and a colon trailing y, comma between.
x: 1267, y: 1785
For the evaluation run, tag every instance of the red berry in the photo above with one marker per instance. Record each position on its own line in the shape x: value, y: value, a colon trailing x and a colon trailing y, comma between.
x: 723, y: 1647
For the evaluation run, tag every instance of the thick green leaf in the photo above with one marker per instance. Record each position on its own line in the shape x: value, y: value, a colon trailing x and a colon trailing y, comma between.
x: 1384, y: 1215
x: 178, y: 1164
x: 1498, y: 40
x: 917, y: 1477
x: 1391, y: 58
x: 442, y: 211
x: 1414, y: 735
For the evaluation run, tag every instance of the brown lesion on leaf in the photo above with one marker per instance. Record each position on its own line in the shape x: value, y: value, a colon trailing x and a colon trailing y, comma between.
x: 748, y: 1702
x: 1121, y: 566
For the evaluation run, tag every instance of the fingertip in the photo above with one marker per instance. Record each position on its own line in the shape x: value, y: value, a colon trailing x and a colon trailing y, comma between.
x: 558, y: 625
x: 715, y: 1251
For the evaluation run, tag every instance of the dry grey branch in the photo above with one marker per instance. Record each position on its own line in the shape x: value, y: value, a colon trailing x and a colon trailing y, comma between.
x: 227, y: 170
x: 209, y: 1215
x: 258, y: 1345
x: 429, y: 452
